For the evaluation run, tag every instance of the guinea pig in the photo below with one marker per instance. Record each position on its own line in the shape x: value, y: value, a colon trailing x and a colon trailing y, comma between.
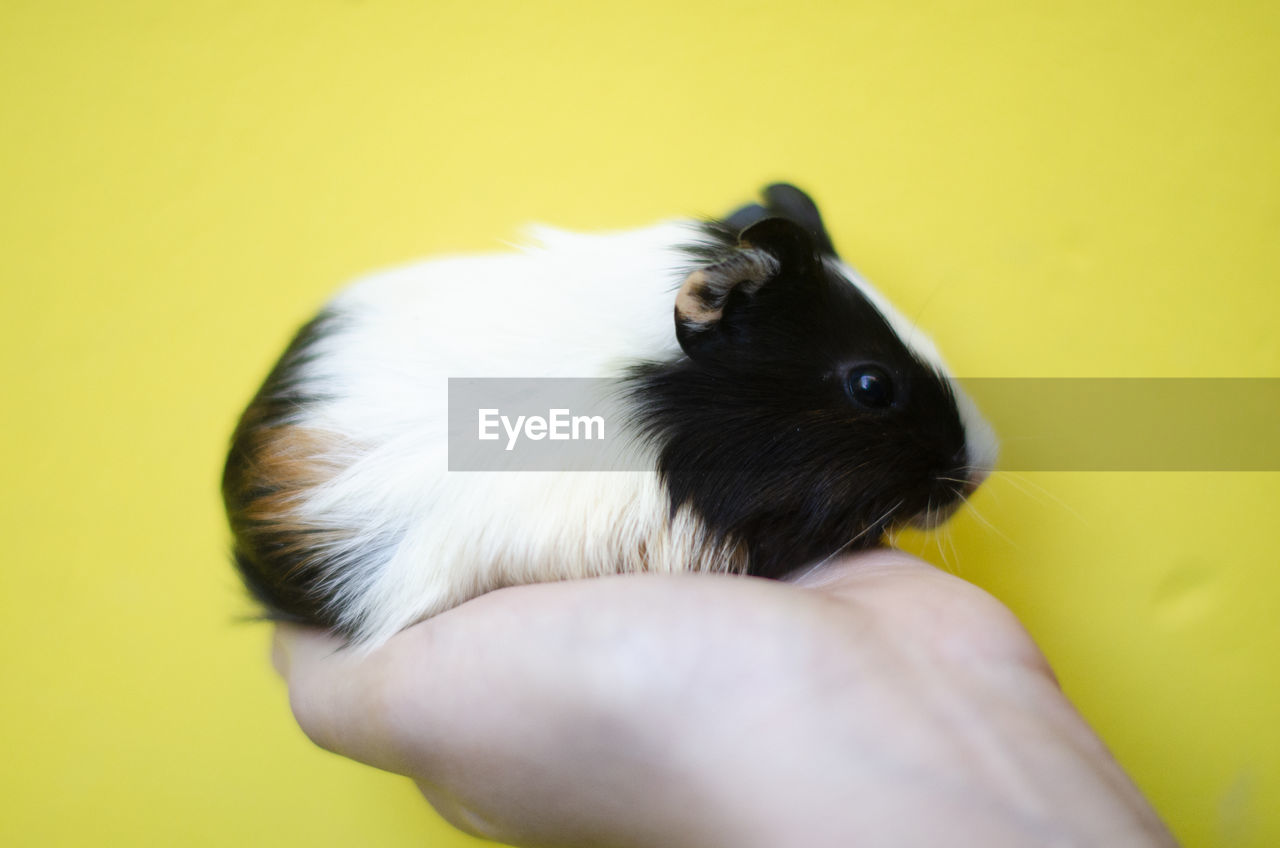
x: 778, y: 411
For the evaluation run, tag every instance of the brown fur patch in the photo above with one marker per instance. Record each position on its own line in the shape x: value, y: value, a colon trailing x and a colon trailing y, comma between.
x: 703, y: 293
x: 280, y: 466
x: 691, y: 301
x: 283, y: 556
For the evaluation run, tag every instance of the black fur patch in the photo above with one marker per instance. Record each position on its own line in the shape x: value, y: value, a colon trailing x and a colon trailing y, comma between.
x: 781, y: 200
x: 757, y: 433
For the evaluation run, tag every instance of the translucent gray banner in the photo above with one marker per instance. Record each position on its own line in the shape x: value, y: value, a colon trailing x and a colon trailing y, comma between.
x: 1044, y: 424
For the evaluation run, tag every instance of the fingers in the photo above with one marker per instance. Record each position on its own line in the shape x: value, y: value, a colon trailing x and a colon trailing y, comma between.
x: 953, y: 616
x: 343, y: 699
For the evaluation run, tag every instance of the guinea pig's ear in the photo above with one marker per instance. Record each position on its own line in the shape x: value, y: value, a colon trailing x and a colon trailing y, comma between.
x: 787, y: 240
x: 768, y: 249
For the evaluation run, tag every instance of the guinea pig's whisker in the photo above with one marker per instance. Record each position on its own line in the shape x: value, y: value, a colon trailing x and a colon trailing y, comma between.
x: 1040, y: 494
x: 864, y: 531
x: 996, y: 530
x: 951, y: 543
x: 937, y: 536
x: 1021, y: 488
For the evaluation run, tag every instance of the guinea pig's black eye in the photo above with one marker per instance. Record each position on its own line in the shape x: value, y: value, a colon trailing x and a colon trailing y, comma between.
x: 870, y: 386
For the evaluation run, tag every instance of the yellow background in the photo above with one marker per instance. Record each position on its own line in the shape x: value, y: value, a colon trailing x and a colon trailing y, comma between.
x: 1053, y: 189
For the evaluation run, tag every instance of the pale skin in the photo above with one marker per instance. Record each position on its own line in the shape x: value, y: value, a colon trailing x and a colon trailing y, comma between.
x: 875, y: 702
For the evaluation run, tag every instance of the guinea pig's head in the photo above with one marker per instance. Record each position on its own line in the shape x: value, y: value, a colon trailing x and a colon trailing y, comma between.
x: 805, y: 417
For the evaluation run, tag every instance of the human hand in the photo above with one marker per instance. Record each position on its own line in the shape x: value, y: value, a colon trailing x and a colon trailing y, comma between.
x: 876, y: 701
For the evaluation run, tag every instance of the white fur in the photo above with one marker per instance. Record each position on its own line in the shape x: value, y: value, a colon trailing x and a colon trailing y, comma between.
x: 569, y: 306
